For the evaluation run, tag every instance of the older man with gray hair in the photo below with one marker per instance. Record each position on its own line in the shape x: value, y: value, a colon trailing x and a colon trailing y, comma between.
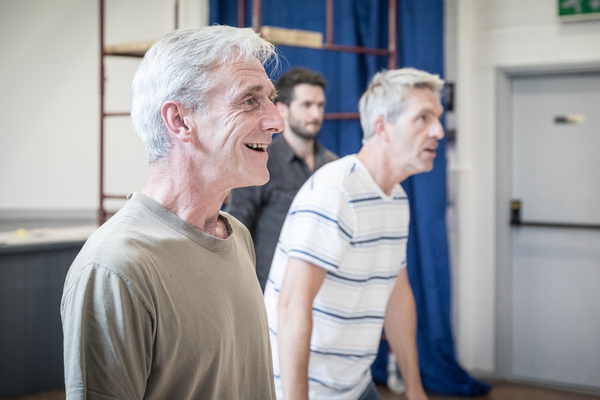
x: 163, y: 301
x: 338, y: 275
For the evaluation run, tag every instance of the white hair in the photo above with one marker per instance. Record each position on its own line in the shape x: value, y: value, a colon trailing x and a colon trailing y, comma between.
x: 386, y: 95
x: 180, y: 67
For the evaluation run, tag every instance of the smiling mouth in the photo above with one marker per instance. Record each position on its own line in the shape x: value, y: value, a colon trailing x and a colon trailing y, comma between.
x: 256, y: 146
x: 430, y: 150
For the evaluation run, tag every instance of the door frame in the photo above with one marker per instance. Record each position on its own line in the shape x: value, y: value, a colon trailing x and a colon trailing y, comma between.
x: 505, y: 75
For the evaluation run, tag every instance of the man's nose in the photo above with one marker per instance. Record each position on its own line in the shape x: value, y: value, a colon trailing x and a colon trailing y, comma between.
x: 271, y: 121
x: 437, y: 130
x: 316, y: 111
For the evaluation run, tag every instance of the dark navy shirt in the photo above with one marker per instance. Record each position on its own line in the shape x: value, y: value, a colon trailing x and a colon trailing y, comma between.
x: 262, y: 209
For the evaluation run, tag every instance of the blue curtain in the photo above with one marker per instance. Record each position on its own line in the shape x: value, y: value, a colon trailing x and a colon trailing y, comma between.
x: 420, y: 45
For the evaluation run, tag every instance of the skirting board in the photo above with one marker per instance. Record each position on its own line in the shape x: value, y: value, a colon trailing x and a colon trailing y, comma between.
x: 11, y: 219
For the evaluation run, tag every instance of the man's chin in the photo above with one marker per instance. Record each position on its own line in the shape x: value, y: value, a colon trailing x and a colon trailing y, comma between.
x: 306, y: 135
x: 427, y: 167
x: 261, y: 182
x: 257, y: 180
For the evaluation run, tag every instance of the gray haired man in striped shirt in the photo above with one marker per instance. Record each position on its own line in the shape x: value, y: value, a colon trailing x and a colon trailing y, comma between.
x: 339, y: 271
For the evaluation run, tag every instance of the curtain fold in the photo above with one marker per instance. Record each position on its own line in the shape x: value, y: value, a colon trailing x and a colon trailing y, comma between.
x: 420, y: 42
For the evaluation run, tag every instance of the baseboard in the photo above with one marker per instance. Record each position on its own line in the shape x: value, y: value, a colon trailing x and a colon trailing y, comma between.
x: 11, y: 219
x: 494, y: 379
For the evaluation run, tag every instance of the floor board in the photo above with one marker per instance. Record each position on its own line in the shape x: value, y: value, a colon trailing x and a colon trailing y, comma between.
x: 501, y: 391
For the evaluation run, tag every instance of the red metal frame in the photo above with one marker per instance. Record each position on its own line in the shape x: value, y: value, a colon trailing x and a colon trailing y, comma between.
x: 392, y: 34
x: 102, y: 213
x: 241, y: 13
x: 391, y: 52
x: 329, y: 23
x: 256, y: 15
x: 342, y: 115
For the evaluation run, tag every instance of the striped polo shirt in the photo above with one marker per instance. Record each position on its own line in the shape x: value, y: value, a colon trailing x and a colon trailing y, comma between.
x: 343, y: 222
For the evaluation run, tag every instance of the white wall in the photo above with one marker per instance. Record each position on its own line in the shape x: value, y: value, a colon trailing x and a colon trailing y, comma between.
x: 49, y: 98
x: 491, y: 34
x: 49, y: 116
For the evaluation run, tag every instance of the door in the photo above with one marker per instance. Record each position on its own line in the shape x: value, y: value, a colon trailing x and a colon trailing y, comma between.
x: 556, y: 270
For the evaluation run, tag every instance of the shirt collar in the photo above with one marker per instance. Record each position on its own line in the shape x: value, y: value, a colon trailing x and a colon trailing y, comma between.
x: 282, y: 146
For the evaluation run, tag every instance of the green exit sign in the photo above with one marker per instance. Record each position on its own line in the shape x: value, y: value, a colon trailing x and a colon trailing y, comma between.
x: 579, y: 9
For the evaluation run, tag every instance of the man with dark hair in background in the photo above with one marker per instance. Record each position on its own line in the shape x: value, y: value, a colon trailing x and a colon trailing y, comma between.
x: 293, y: 157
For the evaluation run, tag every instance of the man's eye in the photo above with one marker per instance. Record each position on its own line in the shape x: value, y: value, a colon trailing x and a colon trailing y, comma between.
x: 250, y: 102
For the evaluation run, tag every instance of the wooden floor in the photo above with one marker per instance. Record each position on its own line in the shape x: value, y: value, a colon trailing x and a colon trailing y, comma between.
x: 504, y: 391
x: 500, y: 391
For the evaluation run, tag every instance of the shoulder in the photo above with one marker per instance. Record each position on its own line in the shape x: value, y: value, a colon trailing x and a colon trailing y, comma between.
x: 124, y: 243
x: 335, y: 174
x: 329, y: 156
x: 324, y: 155
x: 111, y: 260
x: 327, y: 190
x: 341, y: 184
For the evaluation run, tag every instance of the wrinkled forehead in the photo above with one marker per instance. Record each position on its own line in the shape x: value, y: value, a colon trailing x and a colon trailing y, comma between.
x: 422, y: 97
x: 241, y: 67
x: 239, y: 76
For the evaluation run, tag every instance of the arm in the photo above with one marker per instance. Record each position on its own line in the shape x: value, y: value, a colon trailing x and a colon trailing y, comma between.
x: 107, y: 338
x: 301, y: 284
x: 400, y: 324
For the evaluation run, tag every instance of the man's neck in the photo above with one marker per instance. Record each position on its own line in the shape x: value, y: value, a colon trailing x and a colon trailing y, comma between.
x: 303, y: 148
x: 378, y: 163
x: 193, y: 200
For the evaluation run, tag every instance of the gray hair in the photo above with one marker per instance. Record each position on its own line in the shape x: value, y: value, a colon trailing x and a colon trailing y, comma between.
x: 386, y: 95
x: 179, y: 67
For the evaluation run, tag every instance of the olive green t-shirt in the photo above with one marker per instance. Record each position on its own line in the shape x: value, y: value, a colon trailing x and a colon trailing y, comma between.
x: 154, y: 308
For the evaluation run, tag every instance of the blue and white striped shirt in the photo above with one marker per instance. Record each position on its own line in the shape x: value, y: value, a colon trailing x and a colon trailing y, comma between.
x: 343, y: 222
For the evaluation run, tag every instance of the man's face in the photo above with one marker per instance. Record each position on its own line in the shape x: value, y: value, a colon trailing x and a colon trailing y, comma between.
x: 414, y: 137
x: 238, y: 124
x: 304, y: 116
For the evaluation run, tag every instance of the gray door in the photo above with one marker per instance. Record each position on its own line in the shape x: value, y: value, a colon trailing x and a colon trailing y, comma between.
x: 556, y: 271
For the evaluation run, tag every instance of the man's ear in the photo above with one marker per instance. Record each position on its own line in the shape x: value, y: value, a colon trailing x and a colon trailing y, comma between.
x: 283, y: 110
x: 381, y: 128
x: 178, y: 121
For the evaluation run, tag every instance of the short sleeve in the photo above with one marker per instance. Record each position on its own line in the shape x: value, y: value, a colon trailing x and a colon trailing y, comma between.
x: 320, y: 226
x: 107, y: 337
